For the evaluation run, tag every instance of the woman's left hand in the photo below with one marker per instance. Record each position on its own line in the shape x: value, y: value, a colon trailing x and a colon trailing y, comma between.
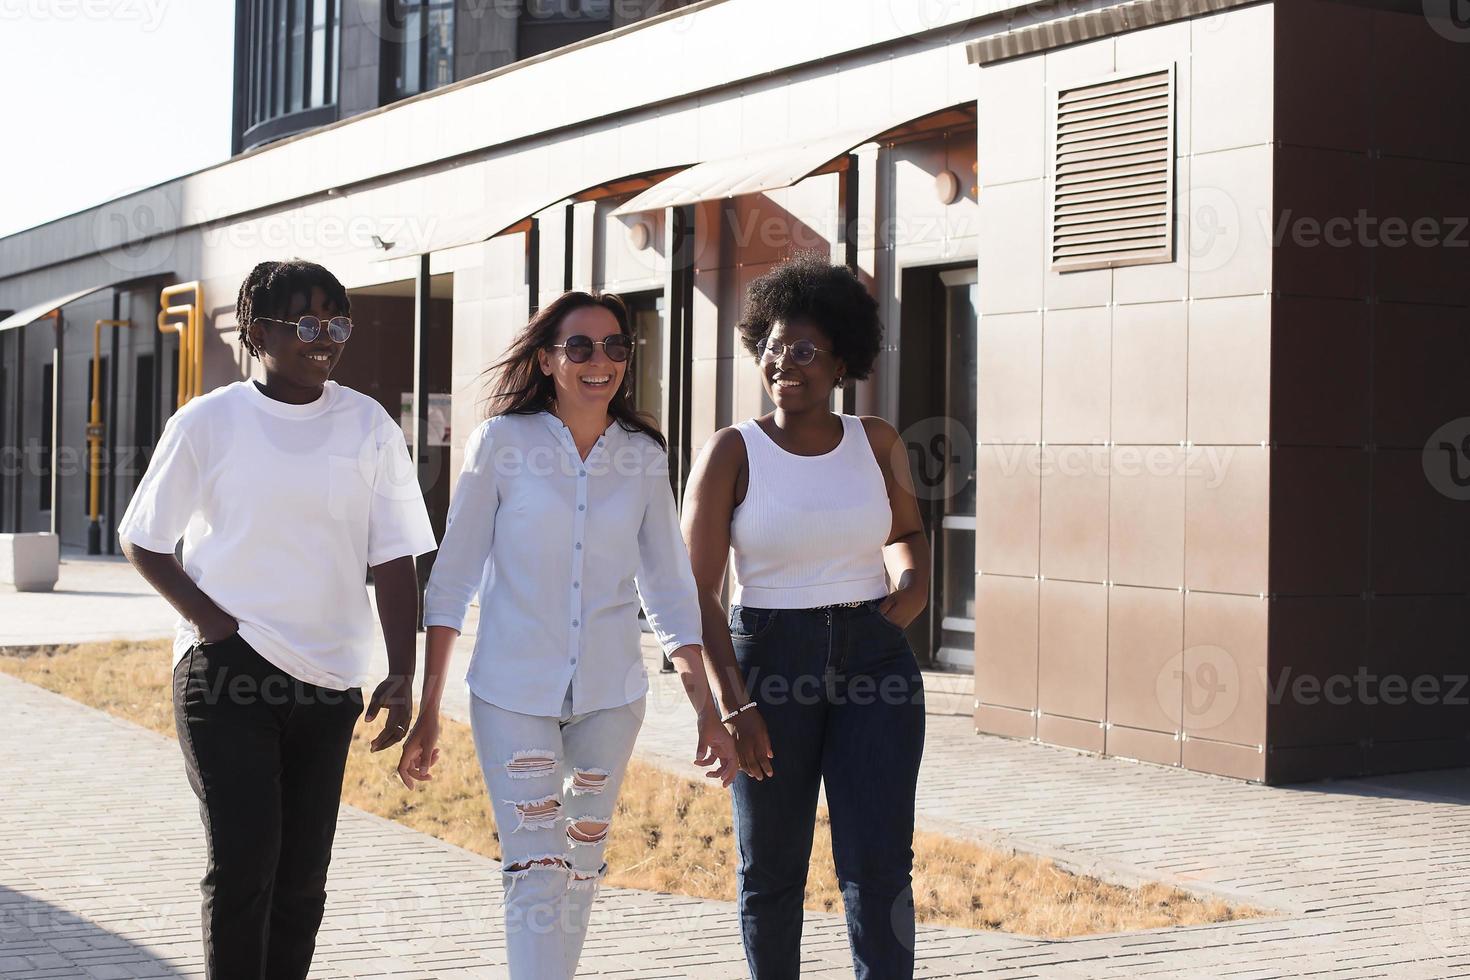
x: 420, y: 750
x: 902, y: 606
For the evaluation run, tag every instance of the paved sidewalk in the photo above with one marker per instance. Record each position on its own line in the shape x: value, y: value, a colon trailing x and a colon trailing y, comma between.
x: 1370, y: 877
x: 101, y: 852
x: 96, y: 598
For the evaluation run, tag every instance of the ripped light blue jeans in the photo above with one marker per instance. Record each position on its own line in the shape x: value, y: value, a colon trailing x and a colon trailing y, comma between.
x: 553, y: 783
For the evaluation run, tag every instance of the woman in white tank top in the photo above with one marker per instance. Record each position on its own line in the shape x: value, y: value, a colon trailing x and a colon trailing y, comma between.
x: 817, y: 681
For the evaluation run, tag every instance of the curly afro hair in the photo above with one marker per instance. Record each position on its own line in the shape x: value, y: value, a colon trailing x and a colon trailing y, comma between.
x: 271, y: 286
x: 808, y: 287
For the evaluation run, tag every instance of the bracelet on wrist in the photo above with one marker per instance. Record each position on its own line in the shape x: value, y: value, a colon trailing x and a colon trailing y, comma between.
x: 731, y: 716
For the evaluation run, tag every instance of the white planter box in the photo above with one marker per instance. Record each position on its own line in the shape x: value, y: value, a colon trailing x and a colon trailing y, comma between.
x: 30, y: 562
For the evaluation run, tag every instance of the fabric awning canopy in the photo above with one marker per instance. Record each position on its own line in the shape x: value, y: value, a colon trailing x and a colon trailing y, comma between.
x: 511, y: 213
x: 748, y: 173
x: 781, y: 166
x: 33, y: 313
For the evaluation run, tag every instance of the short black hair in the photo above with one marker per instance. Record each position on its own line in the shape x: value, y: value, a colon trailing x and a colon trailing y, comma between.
x: 808, y: 287
x: 269, y: 288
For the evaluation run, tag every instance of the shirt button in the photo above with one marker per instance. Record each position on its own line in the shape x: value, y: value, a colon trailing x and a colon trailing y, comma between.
x: 579, y: 546
x: 576, y: 585
x: 583, y: 473
x: 581, y: 506
x: 574, y: 661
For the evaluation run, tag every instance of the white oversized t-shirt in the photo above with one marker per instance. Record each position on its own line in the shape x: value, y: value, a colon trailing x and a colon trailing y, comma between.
x: 282, y: 509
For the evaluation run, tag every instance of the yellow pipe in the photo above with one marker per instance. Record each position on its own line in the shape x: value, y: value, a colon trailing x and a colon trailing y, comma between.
x: 94, y: 430
x: 191, y: 335
x: 183, y: 333
x: 199, y: 342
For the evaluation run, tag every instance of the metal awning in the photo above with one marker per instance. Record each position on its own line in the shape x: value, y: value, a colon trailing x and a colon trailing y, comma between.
x: 777, y: 166
x: 513, y: 212
x: 33, y: 313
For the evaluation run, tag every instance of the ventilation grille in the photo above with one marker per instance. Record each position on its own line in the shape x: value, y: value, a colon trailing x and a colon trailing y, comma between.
x: 1114, y: 173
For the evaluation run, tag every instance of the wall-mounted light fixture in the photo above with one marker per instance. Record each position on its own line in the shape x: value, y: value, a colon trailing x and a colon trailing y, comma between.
x: 947, y: 187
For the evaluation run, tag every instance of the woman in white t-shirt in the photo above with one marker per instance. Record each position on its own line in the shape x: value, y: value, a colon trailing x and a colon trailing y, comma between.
x: 285, y: 493
x: 562, y: 521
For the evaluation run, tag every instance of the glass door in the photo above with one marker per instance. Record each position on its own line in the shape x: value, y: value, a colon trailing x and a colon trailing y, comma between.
x: 954, y: 536
x: 648, y: 375
x: 648, y: 385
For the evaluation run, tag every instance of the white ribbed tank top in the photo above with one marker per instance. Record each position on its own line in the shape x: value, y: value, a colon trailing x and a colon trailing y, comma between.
x: 811, y: 529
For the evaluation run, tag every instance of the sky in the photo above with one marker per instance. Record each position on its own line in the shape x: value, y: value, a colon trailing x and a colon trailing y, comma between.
x: 90, y: 89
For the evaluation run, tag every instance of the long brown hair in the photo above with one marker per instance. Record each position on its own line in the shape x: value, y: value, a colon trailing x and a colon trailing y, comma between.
x: 518, y: 387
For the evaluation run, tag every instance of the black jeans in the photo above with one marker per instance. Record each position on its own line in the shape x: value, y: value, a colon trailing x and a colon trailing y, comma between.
x: 842, y: 697
x: 265, y: 754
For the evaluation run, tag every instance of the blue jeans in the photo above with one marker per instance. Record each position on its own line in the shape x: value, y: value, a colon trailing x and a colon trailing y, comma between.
x: 553, y: 785
x: 842, y: 697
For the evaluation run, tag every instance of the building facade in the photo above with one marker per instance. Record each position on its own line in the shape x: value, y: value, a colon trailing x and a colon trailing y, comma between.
x: 1170, y: 440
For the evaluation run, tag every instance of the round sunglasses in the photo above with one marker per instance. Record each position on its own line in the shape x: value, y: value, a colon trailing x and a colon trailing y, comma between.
x: 578, y: 347
x: 309, y: 328
x: 802, y: 351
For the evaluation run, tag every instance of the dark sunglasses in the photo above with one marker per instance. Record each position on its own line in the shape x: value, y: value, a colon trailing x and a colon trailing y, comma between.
x: 309, y: 328
x: 802, y: 351
x: 578, y: 348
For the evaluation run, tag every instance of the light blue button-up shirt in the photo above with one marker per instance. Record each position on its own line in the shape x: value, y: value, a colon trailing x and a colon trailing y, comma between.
x: 561, y: 550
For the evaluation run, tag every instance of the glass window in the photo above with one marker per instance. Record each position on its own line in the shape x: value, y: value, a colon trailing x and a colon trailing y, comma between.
x: 254, y: 75
x: 316, y: 93
x: 410, y: 75
x: 277, y: 55
x: 291, y: 61
x: 296, y: 46
x: 439, y: 61
x: 419, y: 46
x: 336, y: 35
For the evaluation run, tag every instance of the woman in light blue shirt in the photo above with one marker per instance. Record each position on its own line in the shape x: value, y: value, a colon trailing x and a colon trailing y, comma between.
x: 562, y: 520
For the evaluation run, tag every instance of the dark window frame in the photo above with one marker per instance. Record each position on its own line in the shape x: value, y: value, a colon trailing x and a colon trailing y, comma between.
x: 48, y: 389
x: 567, y: 16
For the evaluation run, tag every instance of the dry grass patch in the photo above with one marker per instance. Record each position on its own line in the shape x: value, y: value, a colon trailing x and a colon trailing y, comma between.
x: 670, y: 834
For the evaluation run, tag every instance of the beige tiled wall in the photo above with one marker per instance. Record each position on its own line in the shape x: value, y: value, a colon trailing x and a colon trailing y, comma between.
x: 1260, y: 406
x: 1123, y: 484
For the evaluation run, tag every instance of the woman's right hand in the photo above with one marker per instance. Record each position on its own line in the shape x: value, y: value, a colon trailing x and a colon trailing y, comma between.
x: 716, y: 748
x: 753, y: 743
x: 420, y: 749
